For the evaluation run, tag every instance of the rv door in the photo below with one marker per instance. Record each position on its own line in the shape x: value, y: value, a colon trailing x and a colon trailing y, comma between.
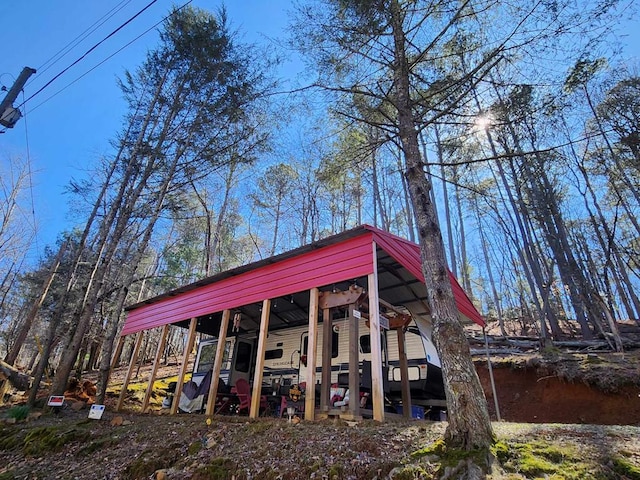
x: 242, y: 361
x: 206, y: 356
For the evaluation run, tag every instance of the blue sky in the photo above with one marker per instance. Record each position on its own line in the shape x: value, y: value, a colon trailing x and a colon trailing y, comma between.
x: 67, y: 133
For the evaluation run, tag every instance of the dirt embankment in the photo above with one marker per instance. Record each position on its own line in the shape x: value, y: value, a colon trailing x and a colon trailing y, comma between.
x: 580, y: 388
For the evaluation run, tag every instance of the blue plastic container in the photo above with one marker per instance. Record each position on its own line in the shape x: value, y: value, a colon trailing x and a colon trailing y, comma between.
x: 417, y: 411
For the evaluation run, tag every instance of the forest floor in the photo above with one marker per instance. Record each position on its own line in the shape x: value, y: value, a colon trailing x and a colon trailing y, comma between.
x: 67, y: 445
x: 132, y: 445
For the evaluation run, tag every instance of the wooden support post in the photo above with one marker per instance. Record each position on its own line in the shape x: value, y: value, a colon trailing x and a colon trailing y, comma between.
x: 262, y: 346
x: 404, y: 374
x: 327, y: 336
x: 154, y: 369
x: 354, y: 364
x: 185, y: 363
x: 377, y: 391
x: 132, y: 364
x: 116, y: 356
x: 217, y: 363
x: 312, y: 349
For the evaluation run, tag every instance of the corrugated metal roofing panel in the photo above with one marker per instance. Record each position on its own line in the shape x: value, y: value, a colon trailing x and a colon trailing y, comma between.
x: 318, y: 267
x: 342, y: 257
x: 408, y: 255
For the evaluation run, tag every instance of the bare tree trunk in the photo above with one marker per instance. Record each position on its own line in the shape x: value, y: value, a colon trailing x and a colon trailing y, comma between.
x: 469, y: 423
x: 488, y: 266
x: 378, y: 206
x: 121, y: 209
x: 608, y: 244
x: 530, y: 265
x: 217, y: 233
x: 113, y: 324
x: 8, y: 282
x: 406, y: 197
x: 94, y: 354
x: 464, y: 261
x: 44, y: 359
x: 12, y: 355
x: 453, y: 260
x: 107, y: 347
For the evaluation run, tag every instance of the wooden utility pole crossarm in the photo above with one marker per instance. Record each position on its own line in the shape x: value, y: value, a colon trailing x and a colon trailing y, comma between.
x: 8, y: 114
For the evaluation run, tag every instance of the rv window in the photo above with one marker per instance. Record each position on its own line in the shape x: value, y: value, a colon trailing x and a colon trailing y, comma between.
x: 243, y: 357
x: 334, y: 345
x: 273, y: 354
x: 365, y: 343
x: 207, y: 354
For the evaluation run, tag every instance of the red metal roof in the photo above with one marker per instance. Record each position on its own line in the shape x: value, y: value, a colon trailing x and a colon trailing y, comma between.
x: 408, y: 255
x: 339, y: 258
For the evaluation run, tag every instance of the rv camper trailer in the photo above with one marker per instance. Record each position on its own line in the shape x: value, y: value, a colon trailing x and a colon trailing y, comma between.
x: 286, y: 355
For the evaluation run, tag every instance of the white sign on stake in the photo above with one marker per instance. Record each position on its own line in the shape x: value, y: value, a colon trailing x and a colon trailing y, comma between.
x: 384, y: 322
x: 96, y: 412
x: 357, y: 314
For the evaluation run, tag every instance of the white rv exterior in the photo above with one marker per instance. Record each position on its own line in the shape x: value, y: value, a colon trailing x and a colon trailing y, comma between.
x: 286, y: 350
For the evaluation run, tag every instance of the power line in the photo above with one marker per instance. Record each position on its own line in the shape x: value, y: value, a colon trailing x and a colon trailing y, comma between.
x: 76, y: 41
x: 33, y: 205
x: 89, y: 51
x: 109, y: 57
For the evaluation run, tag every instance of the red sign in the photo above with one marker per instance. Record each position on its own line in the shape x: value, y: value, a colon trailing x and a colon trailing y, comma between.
x: 56, y: 401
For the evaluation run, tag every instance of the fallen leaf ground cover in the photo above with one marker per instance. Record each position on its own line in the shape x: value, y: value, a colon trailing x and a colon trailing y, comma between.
x: 68, y: 445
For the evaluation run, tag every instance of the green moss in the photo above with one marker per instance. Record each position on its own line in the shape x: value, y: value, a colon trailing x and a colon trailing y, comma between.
x: 501, y: 451
x: 97, y: 444
x: 539, y: 459
x: 7, y: 476
x: 411, y: 472
x: 48, y: 439
x: 217, y: 469
x: 551, y: 352
x: 336, y: 472
x: 533, y: 466
x: 625, y: 469
x: 194, y: 448
x: 437, y: 448
x: 451, y: 457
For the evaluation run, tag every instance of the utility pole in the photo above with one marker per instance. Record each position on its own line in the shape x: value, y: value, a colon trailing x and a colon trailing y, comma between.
x: 8, y: 114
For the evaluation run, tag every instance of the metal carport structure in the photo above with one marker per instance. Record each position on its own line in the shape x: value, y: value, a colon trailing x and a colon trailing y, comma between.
x: 291, y: 289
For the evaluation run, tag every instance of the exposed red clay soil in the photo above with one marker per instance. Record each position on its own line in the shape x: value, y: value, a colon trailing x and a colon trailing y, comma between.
x: 526, y: 396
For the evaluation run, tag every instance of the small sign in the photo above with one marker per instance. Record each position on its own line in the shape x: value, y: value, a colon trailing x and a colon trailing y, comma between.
x: 96, y: 412
x: 357, y: 314
x: 384, y: 322
x: 56, y: 401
